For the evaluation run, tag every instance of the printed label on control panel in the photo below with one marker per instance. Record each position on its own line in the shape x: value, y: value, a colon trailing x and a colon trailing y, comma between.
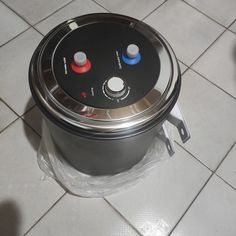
x: 118, y: 60
x: 92, y: 91
x: 65, y: 65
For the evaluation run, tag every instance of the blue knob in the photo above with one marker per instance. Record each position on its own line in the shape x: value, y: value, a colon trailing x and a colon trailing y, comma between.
x: 132, y: 56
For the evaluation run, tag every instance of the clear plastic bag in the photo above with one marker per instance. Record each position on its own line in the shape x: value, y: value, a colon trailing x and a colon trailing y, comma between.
x: 78, y: 183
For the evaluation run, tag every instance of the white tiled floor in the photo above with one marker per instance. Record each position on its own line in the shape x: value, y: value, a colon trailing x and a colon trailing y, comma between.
x: 134, y: 8
x: 33, y: 11
x: 210, y: 114
x: 188, y: 31
x: 6, y: 116
x: 193, y: 193
x: 21, y: 180
x: 81, y: 216
x: 213, y: 212
x: 233, y: 27
x: 221, y: 11
x: 34, y: 119
x: 156, y: 208
x: 76, y: 8
x: 11, y: 24
x: 220, y: 70
x: 227, y: 170
x: 14, y: 61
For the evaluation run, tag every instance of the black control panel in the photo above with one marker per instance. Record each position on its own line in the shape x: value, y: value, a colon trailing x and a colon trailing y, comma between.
x: 106, y: 65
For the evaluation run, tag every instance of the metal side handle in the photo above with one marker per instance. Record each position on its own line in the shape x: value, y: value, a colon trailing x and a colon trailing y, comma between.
x: 164, y: 136
x: 176, y: 118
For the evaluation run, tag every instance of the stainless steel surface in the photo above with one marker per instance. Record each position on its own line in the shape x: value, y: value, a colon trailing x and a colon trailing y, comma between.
x: 164, y: 136
x: 176, y: 118
x: 63, y: 107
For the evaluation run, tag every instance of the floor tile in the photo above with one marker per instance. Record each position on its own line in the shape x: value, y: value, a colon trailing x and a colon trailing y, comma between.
x: 233, y: 27
x: 189, y: 32
x: 156, y: 203
x: 14, y: 63
x: 223, y: 12
x: 134, y: 8
x: 34, y: 119
x: 82, y: 216
x: 183, y: 67
x: 10, y: 24
x: 218, y: 63
x: 35, y: 10
x: 213, y: 212
x: 6, y: 116
x: 227, y: 169
x: 76, y: 8
x: 210, y: 115
x: 22, y: 188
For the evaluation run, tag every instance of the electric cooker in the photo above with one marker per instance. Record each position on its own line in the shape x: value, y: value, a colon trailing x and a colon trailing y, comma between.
x: 106, y: 84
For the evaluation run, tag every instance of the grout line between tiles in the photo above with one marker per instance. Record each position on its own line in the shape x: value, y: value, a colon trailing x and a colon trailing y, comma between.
x: 212, y: 173
x: 11, y: 123
x: 131, y: 225
x: 18, y: 117
x: 153, y: 10
x: 230, y: 26
x: 28, y: 110
x: 231, y: 31
x: 225, y: 29
x: 213, y: 83
x: 182, y: 62
x: 33, y: 25
x: 227, y: 183
x: 191, y: 204
x: 14, y: 37
x: 185, y: 71
x: 29, y: 126
x: 37, y: 30
x: 211, y: 44
x: 60, y: 8
x: 198, y: 10
x: 22, y: 17
x: 232, y: 22
x: 25, y: 121
x: 50, y: 208
x: 9, y: 107
x: 182, y: 73
x: 190, y: 66
x: 193, y: 156
x: 227, y: 153
x: 100, y: 5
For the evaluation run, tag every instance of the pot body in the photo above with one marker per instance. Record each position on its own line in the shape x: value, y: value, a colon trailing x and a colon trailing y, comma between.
x: 103, y: 118
x: 96, y: 156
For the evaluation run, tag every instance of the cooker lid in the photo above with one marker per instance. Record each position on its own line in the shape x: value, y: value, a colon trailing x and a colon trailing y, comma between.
x: 104, y: 72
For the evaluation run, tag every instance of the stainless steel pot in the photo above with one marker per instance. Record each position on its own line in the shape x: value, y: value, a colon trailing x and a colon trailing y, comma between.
x: 105, y: 83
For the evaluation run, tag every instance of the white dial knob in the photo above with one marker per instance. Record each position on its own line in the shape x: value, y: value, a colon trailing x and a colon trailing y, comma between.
x: 132, y: 50
x: 115, y: 87
x: 80, y: 58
